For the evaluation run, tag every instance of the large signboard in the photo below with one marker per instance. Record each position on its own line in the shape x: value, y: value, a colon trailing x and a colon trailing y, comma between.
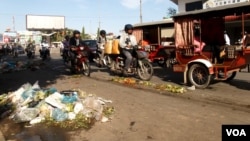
x: 9, y: 37
x: 215, y: 3
x: 40, y: 22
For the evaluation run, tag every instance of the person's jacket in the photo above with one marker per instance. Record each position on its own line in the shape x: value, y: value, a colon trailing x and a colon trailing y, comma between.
x: 127, y: 40
x: 74, y: 42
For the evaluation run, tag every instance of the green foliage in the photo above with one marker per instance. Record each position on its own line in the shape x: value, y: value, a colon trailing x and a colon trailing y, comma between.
x: 170, y: 12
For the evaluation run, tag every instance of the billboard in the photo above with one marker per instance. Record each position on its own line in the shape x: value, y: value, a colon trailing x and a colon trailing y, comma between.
x: 40, y: 22
x: 215, y: 3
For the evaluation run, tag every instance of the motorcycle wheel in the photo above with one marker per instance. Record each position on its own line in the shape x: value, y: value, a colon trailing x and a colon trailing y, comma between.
x: 145, y: 70
x: 86, y: 68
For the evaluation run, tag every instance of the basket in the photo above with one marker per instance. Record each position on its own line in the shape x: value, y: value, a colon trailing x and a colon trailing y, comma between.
x: 141, y: 54
x: 115, y: 47
x: 108, y: 47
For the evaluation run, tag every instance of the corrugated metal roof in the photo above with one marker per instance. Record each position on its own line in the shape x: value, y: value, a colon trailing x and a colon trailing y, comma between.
x: 165, y: 21
x: 245, y: 5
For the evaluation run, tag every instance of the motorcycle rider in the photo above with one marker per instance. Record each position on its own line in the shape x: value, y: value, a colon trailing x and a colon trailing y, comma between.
x: 127, y: 42
x: 65, y: 43
x: 101, y: 44
x: 74, y: 41
x: 46, y: 45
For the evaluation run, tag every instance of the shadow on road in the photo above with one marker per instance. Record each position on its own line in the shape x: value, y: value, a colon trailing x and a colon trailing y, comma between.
x: 11, y: 81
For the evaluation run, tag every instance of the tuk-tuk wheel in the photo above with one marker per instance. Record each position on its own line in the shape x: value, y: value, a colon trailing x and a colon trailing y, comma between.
x: 198, y: 75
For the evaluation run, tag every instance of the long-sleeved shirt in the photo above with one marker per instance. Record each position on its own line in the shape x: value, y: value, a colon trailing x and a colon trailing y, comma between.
x: 101, y: 42
x: 127, y: 40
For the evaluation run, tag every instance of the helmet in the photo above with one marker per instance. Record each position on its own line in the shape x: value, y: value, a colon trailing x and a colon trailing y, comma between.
x: 102, y: 32
x: 67, y: 37
x: 76, y: 32
x: 128, y: 27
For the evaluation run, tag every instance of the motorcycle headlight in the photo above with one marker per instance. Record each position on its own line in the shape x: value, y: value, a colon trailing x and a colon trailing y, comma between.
x: 81, y: 48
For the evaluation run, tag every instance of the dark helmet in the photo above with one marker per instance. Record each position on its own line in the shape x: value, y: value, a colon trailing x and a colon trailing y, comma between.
x: 128, y: 27
x: 102, y: 32
x: 76, y: 32
x: 67, y: 37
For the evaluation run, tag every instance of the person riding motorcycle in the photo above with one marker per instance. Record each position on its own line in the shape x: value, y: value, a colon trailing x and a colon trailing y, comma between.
x: 127, y: 42
x: 74, y: 41
x: 65, y: 43
x: 101, y: 44
x: 46, y: 45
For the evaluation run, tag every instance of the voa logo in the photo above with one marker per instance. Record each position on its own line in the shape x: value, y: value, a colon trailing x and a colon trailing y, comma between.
x: 236, y: 132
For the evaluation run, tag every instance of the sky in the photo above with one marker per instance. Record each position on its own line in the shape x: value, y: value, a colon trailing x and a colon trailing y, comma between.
x: 111, y: 15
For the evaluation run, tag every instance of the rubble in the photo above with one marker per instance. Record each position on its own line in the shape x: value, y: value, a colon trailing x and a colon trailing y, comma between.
x: 68, y: 109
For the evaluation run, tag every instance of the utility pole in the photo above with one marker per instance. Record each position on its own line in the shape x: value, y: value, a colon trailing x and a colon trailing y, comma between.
x: 13, y: 22
x: 140, y: 11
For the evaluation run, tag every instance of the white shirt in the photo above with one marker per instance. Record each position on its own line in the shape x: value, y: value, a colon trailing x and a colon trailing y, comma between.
x: 127, y: 40
x: 227, y: 40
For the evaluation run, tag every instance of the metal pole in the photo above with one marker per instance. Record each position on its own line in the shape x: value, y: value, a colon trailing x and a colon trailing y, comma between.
x: 140, y: 11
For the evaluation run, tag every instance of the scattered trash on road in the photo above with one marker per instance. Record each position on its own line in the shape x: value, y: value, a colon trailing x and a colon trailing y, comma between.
x: 162, y: 87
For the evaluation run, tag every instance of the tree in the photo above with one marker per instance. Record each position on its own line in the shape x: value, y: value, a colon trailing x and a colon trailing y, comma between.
x: 170, y: 12
x: 83, y: 32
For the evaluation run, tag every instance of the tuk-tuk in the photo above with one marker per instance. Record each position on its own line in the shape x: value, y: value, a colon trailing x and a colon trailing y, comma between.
x: 211, y: 58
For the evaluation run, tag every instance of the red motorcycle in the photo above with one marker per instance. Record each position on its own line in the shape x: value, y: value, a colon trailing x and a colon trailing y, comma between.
x: 82, y: 61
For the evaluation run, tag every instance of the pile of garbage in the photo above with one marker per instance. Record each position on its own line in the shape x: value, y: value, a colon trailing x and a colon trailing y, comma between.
x: 69, y: 108
x: 10, y: 66
x: 162, y: 87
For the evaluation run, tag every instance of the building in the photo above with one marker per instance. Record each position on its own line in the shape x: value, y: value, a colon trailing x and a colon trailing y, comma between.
x: 190, y: 5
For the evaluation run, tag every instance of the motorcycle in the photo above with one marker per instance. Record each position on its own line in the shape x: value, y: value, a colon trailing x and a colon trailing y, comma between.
x: 106, y: 61
x: 65, y: 55
x: 140, y: 65
x: 82, y: 62
x: 15, y: 52
x: 45, y: 53
x: 30, y: 52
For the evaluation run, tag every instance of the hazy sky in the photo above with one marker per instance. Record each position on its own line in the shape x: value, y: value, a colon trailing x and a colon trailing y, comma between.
x: 112, y: 14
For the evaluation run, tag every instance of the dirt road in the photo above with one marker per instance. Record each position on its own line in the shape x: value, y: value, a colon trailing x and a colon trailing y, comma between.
x: 141, y: 114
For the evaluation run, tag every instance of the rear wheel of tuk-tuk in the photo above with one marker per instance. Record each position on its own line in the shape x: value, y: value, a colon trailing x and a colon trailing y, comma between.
x: 198, y: 75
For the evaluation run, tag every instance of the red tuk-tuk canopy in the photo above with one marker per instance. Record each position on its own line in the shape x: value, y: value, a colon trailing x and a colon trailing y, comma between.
x: 211, y: 23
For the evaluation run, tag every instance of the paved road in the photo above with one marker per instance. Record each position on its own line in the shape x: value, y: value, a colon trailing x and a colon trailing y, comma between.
x: 235, y: 93
x: 144, y: 114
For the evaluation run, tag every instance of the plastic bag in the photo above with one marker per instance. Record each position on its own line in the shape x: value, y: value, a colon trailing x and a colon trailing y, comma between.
x: 59, y: 115
x: 92, y: 108
x: 29, y: 90
x: 55, y: 100
x: 70, y: 98
x: 25, y: 115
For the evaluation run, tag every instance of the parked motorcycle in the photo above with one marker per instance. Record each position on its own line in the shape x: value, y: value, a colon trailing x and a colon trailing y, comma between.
x: 140, y: 65
x: 82, y: 61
